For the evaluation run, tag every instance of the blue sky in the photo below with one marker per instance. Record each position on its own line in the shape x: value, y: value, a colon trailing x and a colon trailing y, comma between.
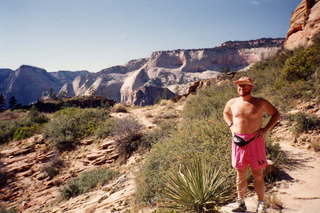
x: 96, y: 34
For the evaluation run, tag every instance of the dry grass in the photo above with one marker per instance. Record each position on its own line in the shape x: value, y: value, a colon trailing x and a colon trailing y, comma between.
x: 119, y: 108
x: 274, y: 202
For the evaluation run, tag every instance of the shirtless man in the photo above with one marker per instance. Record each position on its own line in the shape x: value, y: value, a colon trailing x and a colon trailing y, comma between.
x: 244, y: 116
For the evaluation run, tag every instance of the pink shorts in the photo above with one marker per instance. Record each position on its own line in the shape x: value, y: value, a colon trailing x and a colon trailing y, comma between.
x: 252, y: 154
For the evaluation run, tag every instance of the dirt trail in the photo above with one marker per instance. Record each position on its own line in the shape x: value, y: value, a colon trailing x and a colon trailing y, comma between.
x: 302, y: 193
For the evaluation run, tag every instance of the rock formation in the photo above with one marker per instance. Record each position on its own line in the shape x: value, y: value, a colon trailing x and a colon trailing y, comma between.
x: 140, y: 81
x: 305, y: 24
x: 177, y: 69
x: 27, y: 83
x: 28, y: 187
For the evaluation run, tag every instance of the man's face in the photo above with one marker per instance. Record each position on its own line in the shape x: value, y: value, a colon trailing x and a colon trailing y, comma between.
x: 244, y: 89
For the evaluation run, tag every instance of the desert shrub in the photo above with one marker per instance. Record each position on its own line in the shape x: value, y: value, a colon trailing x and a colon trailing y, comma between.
x: 198, y: 138
x: 126, y: 127
x: 196, y: 187
x: 119, y: 108
x: 71, y: 124
x: 300, y: 66
x: 275, y: 153
x: 303, y: 63
x: 34, y: 116
x: 52, y: 168
x: 25, y: 132
x: 87, y: 181
x: 304, y: 122
x: 7, y: 129
x: 212, y: 102
x: 51, y: 171
x: 128, y: 133
x: 105, y: 128
x: 163, y: 130
x: 274, y: 202
x: 22, y: 127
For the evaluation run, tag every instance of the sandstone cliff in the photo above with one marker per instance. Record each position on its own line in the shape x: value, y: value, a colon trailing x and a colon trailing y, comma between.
x: 176, y: 69
x: 305, y: 24
x: 141, y: 81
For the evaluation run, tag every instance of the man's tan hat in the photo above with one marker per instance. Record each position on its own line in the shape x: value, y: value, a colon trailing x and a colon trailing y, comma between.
x: 244, y: 80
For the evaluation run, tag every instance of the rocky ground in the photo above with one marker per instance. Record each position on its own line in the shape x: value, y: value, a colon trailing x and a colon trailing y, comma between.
x: 29, y: 189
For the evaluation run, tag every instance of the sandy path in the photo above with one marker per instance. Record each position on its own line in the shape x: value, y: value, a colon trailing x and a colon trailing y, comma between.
x: 302, y: 193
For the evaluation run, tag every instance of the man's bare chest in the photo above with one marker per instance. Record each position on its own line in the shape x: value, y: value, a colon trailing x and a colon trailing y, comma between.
x: 246, y: 110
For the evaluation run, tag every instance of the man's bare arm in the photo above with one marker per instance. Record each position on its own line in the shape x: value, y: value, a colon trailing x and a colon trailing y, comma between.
x: 273, y: 112
x: 227, y: 114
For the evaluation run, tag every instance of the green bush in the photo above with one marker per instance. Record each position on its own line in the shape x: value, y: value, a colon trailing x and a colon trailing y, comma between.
x: 72, y: 124
x: 87, y: 181
x: 300, y: 66
x: 34, y: 116
x: 51, y: 171
x: 164, y: 129
x: 7, y: 129
x: 304, y: 122
x: 198, y: 138
x: 25, y: 132
x: 22, y: 128
x: 105, y: 128
x: 196, y: 187
x: 212, y: 102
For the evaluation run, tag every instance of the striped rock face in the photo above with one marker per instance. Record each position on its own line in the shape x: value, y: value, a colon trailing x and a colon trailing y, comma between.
x: 305, y: 24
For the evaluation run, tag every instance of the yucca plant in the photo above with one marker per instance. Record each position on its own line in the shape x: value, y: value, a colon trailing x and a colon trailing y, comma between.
x: 196, y: 187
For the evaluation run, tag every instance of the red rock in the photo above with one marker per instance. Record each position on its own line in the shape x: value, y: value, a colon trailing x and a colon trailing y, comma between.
x: 305, y: 24
x: 19, y: 168
x: 106, y: 144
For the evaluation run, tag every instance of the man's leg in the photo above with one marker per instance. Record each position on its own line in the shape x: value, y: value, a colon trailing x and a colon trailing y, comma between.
x: 241, y: 183
x: 259, y: 183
